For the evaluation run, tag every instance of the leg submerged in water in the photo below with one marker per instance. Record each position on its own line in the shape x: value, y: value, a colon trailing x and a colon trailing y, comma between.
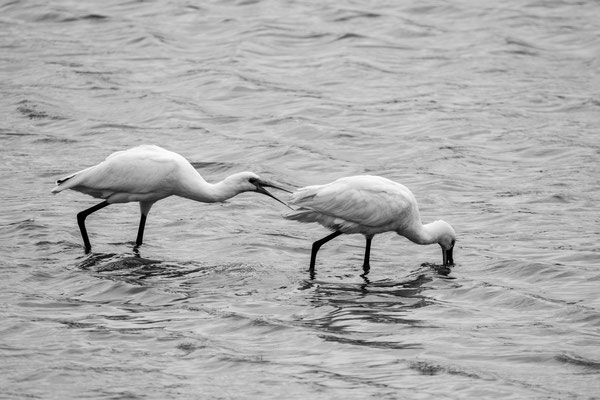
x: 366, y: 265
x: 140, y: 235
x: 144, y: 210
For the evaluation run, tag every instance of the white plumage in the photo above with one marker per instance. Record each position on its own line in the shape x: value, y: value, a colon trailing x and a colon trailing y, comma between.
x: 147, y: 174
x: 368, y: 205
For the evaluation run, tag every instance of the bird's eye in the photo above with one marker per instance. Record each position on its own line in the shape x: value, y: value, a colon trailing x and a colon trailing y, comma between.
x: 252, y: 181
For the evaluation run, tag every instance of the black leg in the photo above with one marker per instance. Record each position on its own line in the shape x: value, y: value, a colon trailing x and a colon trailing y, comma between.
x: 81, y: 222
x: 144, y: 211
x: 317, y: 245
x: 366, y: 266
x: 140, y: 235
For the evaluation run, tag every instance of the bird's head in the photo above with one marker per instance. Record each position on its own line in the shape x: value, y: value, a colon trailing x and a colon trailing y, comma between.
x: 446, y: 239
x: 250, y: 182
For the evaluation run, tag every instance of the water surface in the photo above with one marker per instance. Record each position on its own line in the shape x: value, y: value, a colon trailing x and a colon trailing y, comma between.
x: 489, y: 112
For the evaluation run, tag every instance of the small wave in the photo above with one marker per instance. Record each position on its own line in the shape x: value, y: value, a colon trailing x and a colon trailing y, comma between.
x: 579, y: 361
x: 554, y: 199
x: 95, y: 17
x: 350, y: 36
x: 53, y: 139
x: 520, y: 43
x: 378, y: 344
x: 64, y: 16
x: 33, y: 111
x: 431, y: 368
x: 353, y: 15
x: 213, y: 166
x: 135, y: 266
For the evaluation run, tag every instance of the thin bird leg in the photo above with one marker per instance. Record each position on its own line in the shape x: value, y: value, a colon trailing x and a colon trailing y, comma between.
x: 81, y: 222
x: 366, y: 266
x: 144, y: 210
x: 317, y: 245
x: 140, y: 235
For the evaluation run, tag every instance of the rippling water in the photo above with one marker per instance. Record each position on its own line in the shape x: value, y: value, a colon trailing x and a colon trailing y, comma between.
x: 488, y: 111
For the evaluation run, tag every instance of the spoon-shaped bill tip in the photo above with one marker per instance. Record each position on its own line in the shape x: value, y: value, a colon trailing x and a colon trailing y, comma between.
x: 447, y: 256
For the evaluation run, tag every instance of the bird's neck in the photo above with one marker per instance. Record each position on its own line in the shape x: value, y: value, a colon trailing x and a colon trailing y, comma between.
x: 206, y: 192
x: 223, y: 190
x: 422, y: 234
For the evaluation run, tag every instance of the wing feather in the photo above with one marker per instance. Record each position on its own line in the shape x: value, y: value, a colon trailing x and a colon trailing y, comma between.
x: 370, y: 202
x: 126, y: 174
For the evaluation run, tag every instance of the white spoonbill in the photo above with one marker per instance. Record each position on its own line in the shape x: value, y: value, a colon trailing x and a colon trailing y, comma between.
x: 147, y: 174
x: 368, y: 205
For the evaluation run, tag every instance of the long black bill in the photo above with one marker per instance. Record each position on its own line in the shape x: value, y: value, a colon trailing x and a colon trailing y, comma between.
x: 447, y: 255
x: 260, y: 188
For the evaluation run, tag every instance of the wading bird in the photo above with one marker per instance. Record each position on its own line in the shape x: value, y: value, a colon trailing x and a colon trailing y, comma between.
x: 368, y: 205
x: 147, y: 174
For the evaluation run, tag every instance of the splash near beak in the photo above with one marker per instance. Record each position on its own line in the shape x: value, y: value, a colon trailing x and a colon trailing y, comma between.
x: 260, y: 188
x: 447, y: 256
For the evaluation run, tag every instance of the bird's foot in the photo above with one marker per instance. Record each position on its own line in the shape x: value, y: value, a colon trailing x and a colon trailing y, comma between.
x: 366, y: 268
x: 312, y: 273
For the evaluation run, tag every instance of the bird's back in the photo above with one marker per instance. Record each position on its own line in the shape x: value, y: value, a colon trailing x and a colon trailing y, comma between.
x: 358, y: 204
x: 143, y: 173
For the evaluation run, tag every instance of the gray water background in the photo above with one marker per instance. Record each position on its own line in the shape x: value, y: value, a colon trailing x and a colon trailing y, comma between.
x: 489, y: 111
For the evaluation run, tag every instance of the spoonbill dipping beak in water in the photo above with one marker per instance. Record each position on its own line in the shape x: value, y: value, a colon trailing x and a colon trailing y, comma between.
x: 368, y: 205
x: 147, y: 174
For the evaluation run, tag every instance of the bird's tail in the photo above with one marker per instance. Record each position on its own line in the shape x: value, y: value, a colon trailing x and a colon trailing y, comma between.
x: 68, y: 182
x: 294, y: 215
x: 59, y: 184
x: 303, y: 215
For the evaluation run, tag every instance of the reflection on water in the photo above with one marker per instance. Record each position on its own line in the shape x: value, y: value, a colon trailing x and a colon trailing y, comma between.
x: 487, y: 112
x: 360, y: 313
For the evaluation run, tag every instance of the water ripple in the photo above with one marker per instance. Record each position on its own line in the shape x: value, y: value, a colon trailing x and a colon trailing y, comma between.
x: 488, y: 112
